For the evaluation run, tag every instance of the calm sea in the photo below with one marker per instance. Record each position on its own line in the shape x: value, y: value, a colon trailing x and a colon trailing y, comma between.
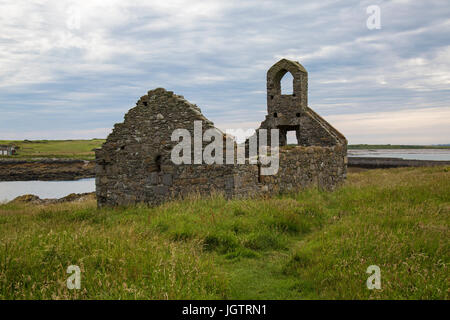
x: 44, y: 189
x: 412, y: 154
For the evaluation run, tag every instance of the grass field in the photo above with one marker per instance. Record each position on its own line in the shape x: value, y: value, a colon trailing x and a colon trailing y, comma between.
x: 76, y: 149
x: 307, y: 245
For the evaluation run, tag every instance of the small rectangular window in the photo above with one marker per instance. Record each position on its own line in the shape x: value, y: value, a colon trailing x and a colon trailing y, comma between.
x: 292, y: 137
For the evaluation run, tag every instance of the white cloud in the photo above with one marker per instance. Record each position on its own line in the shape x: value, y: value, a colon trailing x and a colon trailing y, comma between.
x: 57, y: 134
x: 421, y: 126
x: 217, y: 53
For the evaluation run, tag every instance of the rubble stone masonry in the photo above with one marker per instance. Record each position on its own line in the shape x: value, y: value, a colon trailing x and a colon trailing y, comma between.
x: 134, y: 164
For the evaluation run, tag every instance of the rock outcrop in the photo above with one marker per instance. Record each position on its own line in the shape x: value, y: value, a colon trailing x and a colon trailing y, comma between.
x: 45, y: 169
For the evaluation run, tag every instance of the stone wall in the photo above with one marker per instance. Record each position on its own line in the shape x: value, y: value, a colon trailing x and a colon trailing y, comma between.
x: 134, y: 164
x: 290, y: 112
x: 302, y: 167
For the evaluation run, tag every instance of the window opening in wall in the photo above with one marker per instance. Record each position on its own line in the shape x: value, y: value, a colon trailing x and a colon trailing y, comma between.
x: 292, y: 137
x: 158, y: 163
x: 287, y: 83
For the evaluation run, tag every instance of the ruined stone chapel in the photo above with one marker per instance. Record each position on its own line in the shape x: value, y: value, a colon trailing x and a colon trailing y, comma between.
x: 134, y: 164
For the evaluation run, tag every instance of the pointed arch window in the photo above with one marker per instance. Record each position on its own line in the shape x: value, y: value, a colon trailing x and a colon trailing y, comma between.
x: 287, y: 84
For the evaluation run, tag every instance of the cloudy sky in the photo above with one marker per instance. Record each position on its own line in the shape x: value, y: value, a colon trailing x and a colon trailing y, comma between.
x: 71, y: 69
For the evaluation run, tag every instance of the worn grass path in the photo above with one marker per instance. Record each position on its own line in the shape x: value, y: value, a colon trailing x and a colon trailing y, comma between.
x: 307, y: 245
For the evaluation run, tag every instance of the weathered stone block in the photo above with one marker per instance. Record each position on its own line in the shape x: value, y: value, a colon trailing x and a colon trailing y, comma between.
x: 154, y: 178
x: 162, y: 190
x: 167, y: 179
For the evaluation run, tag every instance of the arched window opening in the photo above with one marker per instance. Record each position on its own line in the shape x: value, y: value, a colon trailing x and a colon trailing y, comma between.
x: 287, y: 84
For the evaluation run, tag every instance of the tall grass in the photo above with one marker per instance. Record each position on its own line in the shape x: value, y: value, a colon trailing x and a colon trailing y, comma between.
x: 304, y: 245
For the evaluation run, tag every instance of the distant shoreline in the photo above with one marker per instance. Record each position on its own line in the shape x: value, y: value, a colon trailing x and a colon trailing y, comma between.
x: 384, y: 163
x: 75, y: 169
x: 58, y: 160
x: 395, y: 146
x: 84, y: 149
x: 45, y: 169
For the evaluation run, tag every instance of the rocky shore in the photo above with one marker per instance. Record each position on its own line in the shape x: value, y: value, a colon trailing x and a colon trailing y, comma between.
x: 73, y: 197
x: 45, y: 169
x: 382, y: 163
